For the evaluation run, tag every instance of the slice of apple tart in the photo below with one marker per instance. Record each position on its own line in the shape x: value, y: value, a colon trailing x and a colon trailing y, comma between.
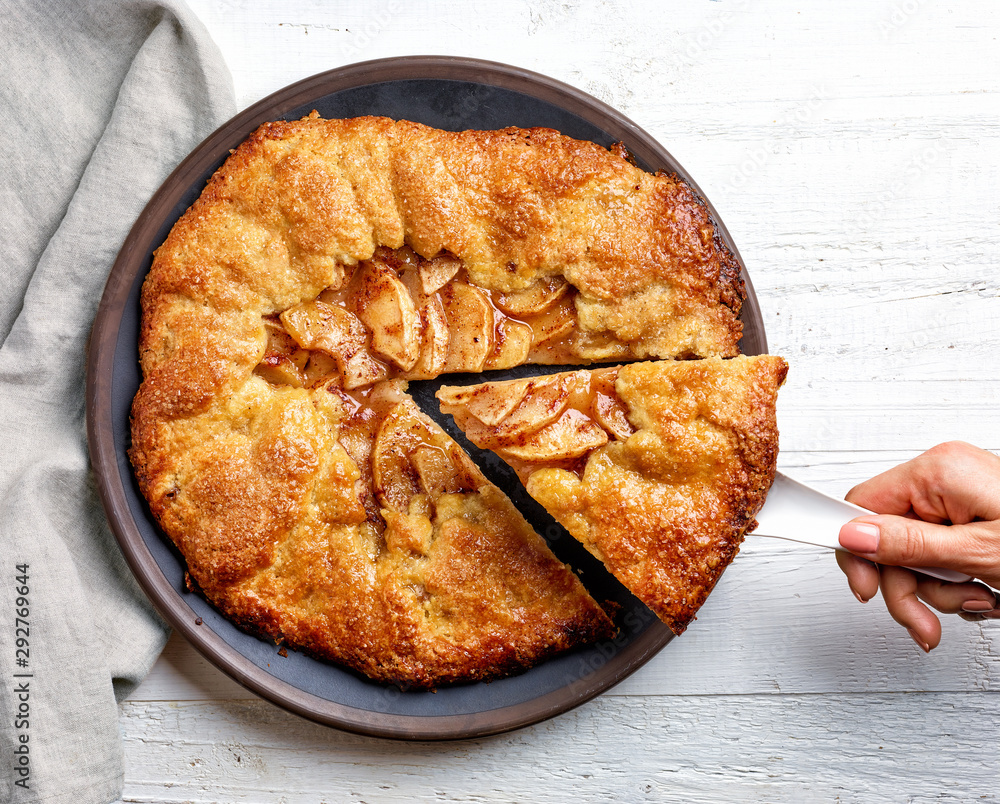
x: 658, y: 468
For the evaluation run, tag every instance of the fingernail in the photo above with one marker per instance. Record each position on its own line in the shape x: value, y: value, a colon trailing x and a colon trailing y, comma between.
x: 859, y: 537
x: 860, y: 599
x: 916, y: 638
x: 977, y: 606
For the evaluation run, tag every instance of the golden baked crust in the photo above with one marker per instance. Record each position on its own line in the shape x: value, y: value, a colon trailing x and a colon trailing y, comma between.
x: 328, y: 257
x: 657, y: 468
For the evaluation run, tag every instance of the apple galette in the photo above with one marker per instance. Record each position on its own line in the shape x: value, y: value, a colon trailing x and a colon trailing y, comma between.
x: 327, y: 262
x: 657, y: 468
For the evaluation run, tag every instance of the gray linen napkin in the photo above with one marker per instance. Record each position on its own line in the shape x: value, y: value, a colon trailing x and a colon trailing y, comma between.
x: 100, y: 101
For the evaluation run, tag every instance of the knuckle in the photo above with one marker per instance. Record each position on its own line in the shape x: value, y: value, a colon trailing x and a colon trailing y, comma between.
x: 898, y: 586
x: 909, y: 542
x: 982, y: 545
x: 952, y: 449
x: 961, y: 456
x: 952, y: 454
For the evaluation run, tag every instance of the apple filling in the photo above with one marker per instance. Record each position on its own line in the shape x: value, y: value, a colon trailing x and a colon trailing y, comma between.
x: 400, y: 315
x: 406, y: 464
x: 554, y: 421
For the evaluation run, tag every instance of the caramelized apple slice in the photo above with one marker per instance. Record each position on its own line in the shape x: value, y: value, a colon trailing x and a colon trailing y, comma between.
x: 470, y: 322
x: 284, y: 361
x: 277, y: 369
x: 491, y: 403
x: 542, y: 402
x: 385, y: 307
x: 361, y: 369
x: 554, y: 323
x: 570, y: 436
x: 315, y: 325
x: 612, y: 415
x: 439, y: 473
x: 434, y: 340
x: 535, y: 298
x: 357, y: 436
x: 438, y: 272
x: 412, y: 455
x: 434, y: 469
x: 401, y: 432
x: 320, y: 368
x: 607, y: 407
x: 513, y: 341
x: 278, y: 340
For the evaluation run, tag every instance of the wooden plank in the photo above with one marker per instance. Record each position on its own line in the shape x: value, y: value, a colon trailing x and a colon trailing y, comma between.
x: 183, y: 674
x: 913, y: 748
x: 783, y: 620
x: 644, y: 58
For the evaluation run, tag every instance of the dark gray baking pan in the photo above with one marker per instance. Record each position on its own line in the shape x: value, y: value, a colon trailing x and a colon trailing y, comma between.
x: 449, y: 93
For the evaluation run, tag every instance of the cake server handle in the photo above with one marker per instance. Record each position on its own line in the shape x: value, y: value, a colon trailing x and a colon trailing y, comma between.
x: 800, y: 513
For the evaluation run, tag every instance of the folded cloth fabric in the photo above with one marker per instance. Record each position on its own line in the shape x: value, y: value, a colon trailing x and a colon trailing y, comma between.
x: 101, y: 100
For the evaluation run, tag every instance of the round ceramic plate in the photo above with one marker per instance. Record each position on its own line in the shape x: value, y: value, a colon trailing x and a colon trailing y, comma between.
x: 448, y: 93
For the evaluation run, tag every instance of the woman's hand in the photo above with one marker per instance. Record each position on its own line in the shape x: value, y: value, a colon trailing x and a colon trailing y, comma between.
x: 942, y: 509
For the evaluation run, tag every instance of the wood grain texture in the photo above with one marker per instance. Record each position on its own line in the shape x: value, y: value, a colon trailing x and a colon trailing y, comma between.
x: 853, y: 151
x: 689, y: 749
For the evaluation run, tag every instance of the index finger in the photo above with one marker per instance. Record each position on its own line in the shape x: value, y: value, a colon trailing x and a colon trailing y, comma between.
x: 953, y: 482
x: 899, y: 591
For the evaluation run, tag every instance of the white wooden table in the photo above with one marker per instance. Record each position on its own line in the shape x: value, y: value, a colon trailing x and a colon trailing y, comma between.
x: 853, y: 150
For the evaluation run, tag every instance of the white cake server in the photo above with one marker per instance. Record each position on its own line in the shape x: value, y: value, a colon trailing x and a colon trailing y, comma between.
x: 799, y: 513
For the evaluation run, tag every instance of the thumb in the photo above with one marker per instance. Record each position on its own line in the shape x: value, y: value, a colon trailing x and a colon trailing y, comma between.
x: 901, y: 541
